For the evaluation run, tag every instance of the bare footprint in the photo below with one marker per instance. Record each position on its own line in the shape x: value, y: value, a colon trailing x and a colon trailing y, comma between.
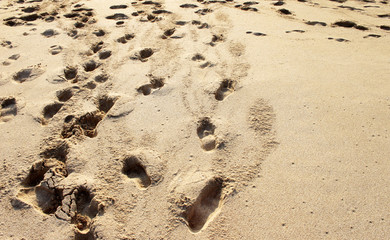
x: 65, y: 94
x: 27, y: 74
x: 70, y: 73
x: 8, y: 109
x: 133, y: 168
x: 40, y: 186
x: 143, y: 55
x: 208, y: 201
x: 84, y: 125
x: 50, y: 110
x: 155, y: 83
x: 124, y: 39
x: 206, y: 135
x: 55, y: 49
x: 226, y: 88
x: 49, y: 33
x: 90, y: 65
x: 105, y: 103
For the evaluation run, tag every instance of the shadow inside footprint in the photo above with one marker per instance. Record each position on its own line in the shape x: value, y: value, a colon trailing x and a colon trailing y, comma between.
x: 27, y: 74
x: 70, y: 72
x: 52, y: 109
x: 133, y: 168
x: 64, y: 95
x: 35, y: 175
x: 105, y: 103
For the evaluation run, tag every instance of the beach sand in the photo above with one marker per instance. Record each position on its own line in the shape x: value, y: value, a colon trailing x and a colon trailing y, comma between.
x: 194, y: 119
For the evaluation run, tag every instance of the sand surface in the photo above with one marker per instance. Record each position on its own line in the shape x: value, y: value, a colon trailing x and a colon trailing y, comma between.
x: 194, y: 119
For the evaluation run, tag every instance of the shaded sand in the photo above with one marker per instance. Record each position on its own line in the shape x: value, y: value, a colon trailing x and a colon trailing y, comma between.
x: 194, y: 120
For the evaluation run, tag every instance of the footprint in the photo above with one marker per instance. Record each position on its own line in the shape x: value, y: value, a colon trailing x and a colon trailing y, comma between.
x: 79, y: 206
x: 207, y: 64
x: 151, y: 3
x: 349, y: 24
x: 118, y: 16
x: 246, y: 6
x: 84, y: 125
x: 7, y: 44
x: 155, y: 83
x: 145, y: 53
x: 133, y: 168
x: 298, y: 31
x: 118, y: 6
x: 339, y: 39
x: 97, y: 46
x: 90, y: 65
x: 203, y: 11
x: 41, y: 198
x: 188, y: 5
x: 256, y: 33
x: 198, y: 57
x: 12, y: 57
x: 52, y: 109
x: 30, y: 9
x: 125, y: 38
x: 313, y: 23
x: 226, y: 87
x: 205, y: 133
x: 372, y: 35
x: 279, y: 3
x: 384, y: 27
x: 105, y: 54
x: 181, y: 23
x: 85, y: 210
x: 79, y: 25
x: 8, y: 109
x: 284, y: 11
x: 216, y: 38
x: 351, y: 8
x: 202, y: 210
x: 168, y: 33
x: 161, y: 11
x: 30, y: 18
x: 105, y: 103
x: 36, y: 174
x: 58, y: 150
x: 40, y: 187
x: 90, y: 85
x: 99, y: 33
x: 49, y: 33
x: 384, y: 15
x: 55, y: 49
x: 64, y: 95
x: 362, y: 28
x: 101, y: 78
x: 70, y: 73
x: 27, y: 74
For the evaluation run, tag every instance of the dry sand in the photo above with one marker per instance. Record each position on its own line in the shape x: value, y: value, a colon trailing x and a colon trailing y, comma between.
x: 195, y: 120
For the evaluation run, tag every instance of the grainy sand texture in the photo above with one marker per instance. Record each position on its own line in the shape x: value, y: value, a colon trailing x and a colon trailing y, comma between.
x: 204, y: 119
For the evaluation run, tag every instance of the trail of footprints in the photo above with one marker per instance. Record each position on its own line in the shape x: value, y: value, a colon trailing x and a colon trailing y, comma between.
x: 42, y: 188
